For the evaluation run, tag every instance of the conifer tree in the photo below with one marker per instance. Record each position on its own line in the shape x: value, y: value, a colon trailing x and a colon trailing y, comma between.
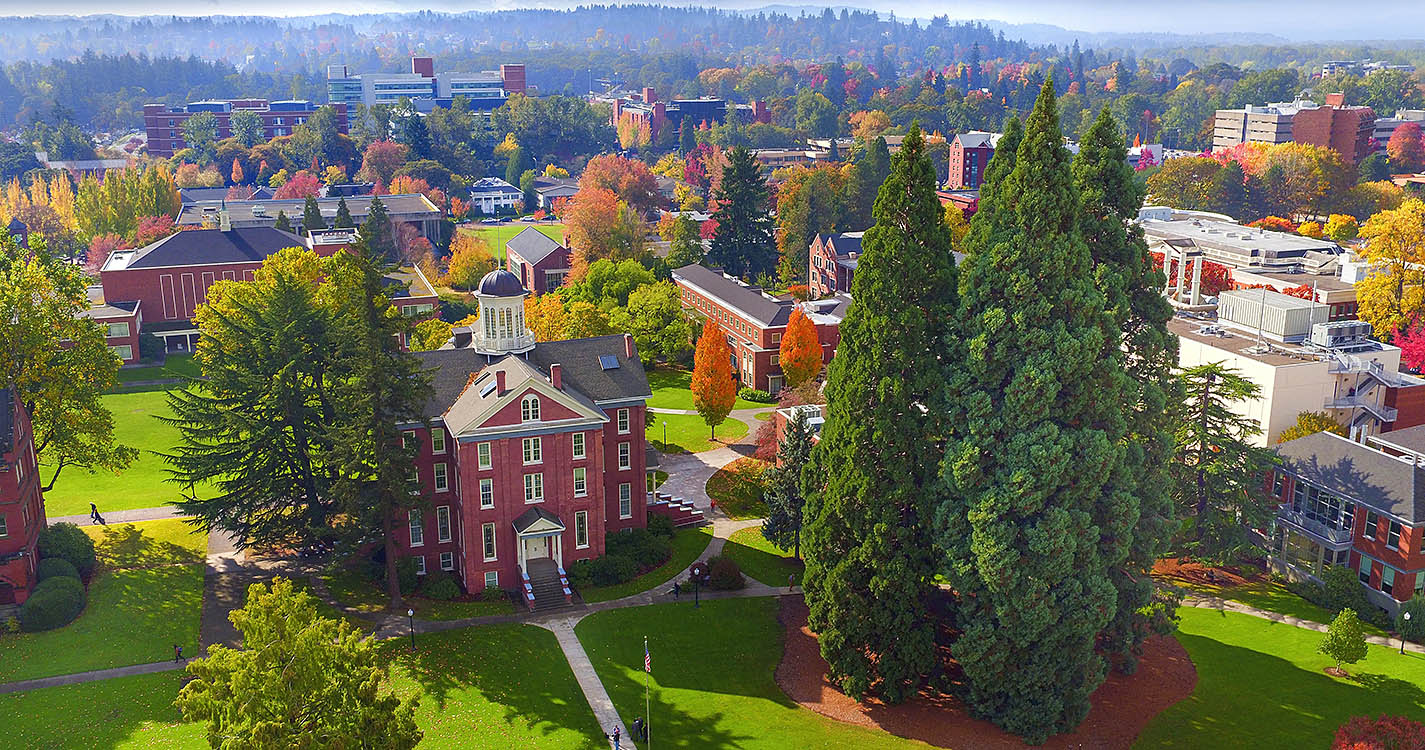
x: 312, y: 216
x: 714, y: 391
x: 687, y: 139
x: 1135, y: 513
x: 867, y: 538
x: 800, y: 351
x: 743, y: 243
x: 283, y: 223
x: 343, y: 216
x: 377, y: 232
x: 1038, y: 434
x: 784, y: 496
x: 867, y: 175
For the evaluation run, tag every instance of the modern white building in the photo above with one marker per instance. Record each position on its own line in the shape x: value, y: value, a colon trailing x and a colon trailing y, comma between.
x: 492, y: 195
x: 1224, y: 241
x: 486, y: 89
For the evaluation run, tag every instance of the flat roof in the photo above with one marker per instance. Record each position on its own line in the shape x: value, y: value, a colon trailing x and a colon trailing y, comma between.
x: 1236, y: 342
x: 1322, y: 282
x: 403, y: 207
x: 1244, y: 246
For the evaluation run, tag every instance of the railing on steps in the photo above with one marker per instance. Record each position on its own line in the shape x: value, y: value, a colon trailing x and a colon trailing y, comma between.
x: 564, y: 584
x: 528, y: 588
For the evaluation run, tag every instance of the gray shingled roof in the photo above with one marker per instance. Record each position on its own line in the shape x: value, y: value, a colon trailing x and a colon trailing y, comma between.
x: 532, y: 245
x: 845, y: 244
x: 1353, y: 471
x: 7, y: 421
x: 764, y: 310
x: 973, y: 140
x: 534, y: 515
x: 204, y: 246
x: 1409, y: 439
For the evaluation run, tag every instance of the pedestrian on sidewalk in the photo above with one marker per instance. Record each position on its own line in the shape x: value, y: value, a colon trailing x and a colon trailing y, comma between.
x: 178, y: 654
x: 677, y: 589
x: 615, y: 737
x: 94, y: 516
x: 791, y: 582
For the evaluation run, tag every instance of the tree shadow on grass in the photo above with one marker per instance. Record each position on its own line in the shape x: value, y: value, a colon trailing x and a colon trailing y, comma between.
x: 127, y: 546
x: 769, y: 568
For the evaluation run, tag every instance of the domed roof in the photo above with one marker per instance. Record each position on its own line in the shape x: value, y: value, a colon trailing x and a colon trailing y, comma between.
x: 500, y: 283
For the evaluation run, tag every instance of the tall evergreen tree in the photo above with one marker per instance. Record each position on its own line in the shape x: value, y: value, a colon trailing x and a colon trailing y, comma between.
x: 1038, y: 434
x: 867, y: 175
x: 868, y: 540
x: 377, y: 232
x: 1110, y: 196
x: 343, y: 216
x: 312, y: 216
x: 283, y: 223
x: 835, y: 87
x: 785, y: 499
x: 743, y: 243
x: 687, y: 138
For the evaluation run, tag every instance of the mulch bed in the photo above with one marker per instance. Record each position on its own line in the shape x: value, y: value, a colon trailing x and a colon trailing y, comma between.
x: 1122, y: 706
x: 1208, y: 575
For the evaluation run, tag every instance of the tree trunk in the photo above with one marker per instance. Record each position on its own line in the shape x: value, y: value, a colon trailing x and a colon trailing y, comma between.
x: 393, y: 581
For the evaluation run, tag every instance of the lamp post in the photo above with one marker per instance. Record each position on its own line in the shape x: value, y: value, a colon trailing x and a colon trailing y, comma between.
x: 411, y: 621
x: 665, y: 436
x: 697, y: 584
x: 1406, y: 617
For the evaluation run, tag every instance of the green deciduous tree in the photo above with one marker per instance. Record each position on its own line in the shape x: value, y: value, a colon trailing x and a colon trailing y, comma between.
x: 868, y: 540
x: 654, y: 315
x: 1040, y: 427
x: 200, y: 133
x: 685, y: 246
x: 784, y: 495
x: 246, y: 127
x: 1345, y: 640
x: 300, y: 681
x: 743, y: 243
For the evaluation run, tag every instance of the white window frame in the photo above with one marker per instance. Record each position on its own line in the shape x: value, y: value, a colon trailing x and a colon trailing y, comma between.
x: 625, y: 500
x: 5, y: 528
x: 581, y: 529
x: 529, y: 408
x: 437, y: 441
x: 533, y: 488
x: 492, y: 579
x: 488, y: 546
x: 447, y: 561
x: 442, y: 523
x: 415, y: 479
x: 487, y: 484
x: 484, y: 456
x: 625, y: 456
x: 420, y: 564
x: 408, y: 439
x: 532, y: 450
x: 109, y: 330
x: 442, y: 478
x: 416, y: 527
x: 622, y: 421
x: 580, y: 449
x: 124, y: 352
x: 581, y: 483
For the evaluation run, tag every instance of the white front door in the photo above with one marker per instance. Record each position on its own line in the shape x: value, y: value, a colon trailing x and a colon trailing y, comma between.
x: 536, y: 547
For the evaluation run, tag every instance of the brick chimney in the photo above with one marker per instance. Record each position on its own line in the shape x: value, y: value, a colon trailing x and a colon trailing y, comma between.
x: 628, y: 351
x: 649, y: 95
x: 423, y: 66
x: 1337, y: 99
x: 499, y: 382
x: 555, y: 377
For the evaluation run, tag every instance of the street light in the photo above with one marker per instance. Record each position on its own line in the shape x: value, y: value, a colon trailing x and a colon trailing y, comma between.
x: 411, y: 621
x: 665, y: 436
x: 1406, y: 617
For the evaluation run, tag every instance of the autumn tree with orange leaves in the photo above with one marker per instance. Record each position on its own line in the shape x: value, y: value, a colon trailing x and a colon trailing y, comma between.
x: 801, y: 350
x: 714, y: 391
x: 598, y: 225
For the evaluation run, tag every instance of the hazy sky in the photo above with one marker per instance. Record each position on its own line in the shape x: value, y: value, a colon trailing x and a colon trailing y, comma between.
x: 1295, y: 19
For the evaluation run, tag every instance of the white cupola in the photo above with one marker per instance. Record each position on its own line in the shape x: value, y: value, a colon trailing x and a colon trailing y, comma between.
x: 501, y: 328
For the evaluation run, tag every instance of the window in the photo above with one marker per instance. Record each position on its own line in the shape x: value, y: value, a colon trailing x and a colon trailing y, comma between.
x: 1363, y: 569
x: 533, y: 451
x: 483, y: 452
x: 492, y: 579
x: 437, y: 440
x: 1387, y: 579
x: 624, y: 459
x: 529, y: 409
x: 408, y: 440
x: 124, y: 352
x: 5, y: 528
x: 418, y: 534
x: 420, y: 565
x: 776, y: 359
x: 487, y: 493
x: 447, y: 561
x: 116, y: 330
x: 487, y: 533
x: 415, y: 480
x: 442, y: 523
x: 412, y: 311
x: 580, y: 486
x: 1392, y: 535
x: 1277, y: 484
x: 625, y: 500
x: 442, y: 482
x: 776, y: 338
x: 578, y: 445
x: 534, y: 488
x: 581, y: 531
x: 623, y: 421
x: 1372, y: 522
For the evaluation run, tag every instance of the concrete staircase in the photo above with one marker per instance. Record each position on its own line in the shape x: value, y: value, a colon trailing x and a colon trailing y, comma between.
x: 681, y: 512
x: 548, y: 585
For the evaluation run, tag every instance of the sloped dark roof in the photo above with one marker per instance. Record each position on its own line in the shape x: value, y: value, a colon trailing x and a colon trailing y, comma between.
x: 206, y: 246
x: 1353, y: 471
x: 768, y: 312
x: 500, y: 283
x: 973, y: 140
x: 492, y: 185
x: 7, y: 421
x: 532, y: 245
x: 845, y: 244
x: 1410, y: 439
x: 533, y: 516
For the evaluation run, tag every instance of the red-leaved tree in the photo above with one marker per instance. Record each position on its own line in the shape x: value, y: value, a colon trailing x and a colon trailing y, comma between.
x: 99, y: 249
x: 304, y: 184
x: 1303, y: 291
x: 629, y: 179
x: 1274, y: 224
x: 151, y: 229
x: 1381, y: 733
x: 1411, y: 341
x: 1406, y: 148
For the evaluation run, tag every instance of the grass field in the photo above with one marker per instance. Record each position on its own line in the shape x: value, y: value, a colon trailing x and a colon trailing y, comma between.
x: 760, y: 559
x: 688, y: 546
x: 148, y: 544
x: 355, y: 590
x: 176, y: 365
x: 672, y: 389
x: 1273, y: 597
x: 139, y: 486
x: 688, y: 433
x: 125, y: 713
x: 1261, y: 685
x: 497, y: 236
x: 712, y: 681
x: 737, y: 489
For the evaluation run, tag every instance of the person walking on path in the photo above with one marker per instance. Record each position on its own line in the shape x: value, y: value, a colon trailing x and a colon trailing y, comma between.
x: 791, y: 582
x: 94, y: 515
x: 615, y: 738
x: 677, y: 590
x: 178, y: 654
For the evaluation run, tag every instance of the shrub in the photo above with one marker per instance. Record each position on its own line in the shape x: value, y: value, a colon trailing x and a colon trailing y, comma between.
x: 405, y: 572
x: 440, y: 586
x: 492, y: 594
x: 724, y: 575
x: 754, y: 395
x: 54, y: 603
x: 581, y: 573
x: 12, y: 625
x: 55, y: 566
x: 660, y: 526
x: 1382, y: 733
x: 1342, y: 590
x: 71, y: 543
x: 613, y: 569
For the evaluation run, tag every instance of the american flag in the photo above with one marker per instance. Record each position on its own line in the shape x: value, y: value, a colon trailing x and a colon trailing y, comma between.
x: 647, y: 660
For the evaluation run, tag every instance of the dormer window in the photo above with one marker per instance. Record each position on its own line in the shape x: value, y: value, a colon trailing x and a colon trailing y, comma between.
x: 529, y: 409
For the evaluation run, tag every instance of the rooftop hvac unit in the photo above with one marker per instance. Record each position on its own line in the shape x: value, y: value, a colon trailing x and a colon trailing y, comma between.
x: 1340, y: 334
x: 259, y: 210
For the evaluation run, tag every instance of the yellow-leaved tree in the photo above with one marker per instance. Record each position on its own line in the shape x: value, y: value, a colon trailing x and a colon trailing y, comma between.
x: 1393, y: 292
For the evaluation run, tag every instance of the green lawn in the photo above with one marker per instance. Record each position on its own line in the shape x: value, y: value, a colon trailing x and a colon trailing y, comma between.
x: 712, y: 684
x: 672, y: 389
x: 688, y: 433
x: 688, y: 546
x: 141, y: 485
x: 175, y: 366
x: 760, y: 559
x: 763, y: 416
x: 352, y: 588
x: 1272, y: 597
x: 125, y: 713
x: 1261, y: 685
x: 132, y: 617
x: 737, y: 489
x: 148, y: 544
x: 496, y: 237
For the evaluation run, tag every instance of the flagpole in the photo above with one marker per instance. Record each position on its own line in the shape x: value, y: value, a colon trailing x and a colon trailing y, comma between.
x: 647, y: 718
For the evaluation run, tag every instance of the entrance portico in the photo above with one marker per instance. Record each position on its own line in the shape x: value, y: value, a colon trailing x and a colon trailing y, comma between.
x: 540, y: 534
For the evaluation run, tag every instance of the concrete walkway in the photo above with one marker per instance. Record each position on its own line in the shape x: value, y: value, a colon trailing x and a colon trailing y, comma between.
x: 1228, y: 605
x: 589, y: 683
x: 120, y: 516
x: 78, y: 677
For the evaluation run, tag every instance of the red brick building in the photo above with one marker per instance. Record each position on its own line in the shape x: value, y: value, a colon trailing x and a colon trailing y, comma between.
x: 1362, y: 506
x: 754, y: 321
x: 22, y: 508
x: 969, y: 155
x: 832, y: 260
x: 533, y: 454
x: 646, y: 107
x: 1336, y: 126
x: 164, y: 125
x: 540, y: 263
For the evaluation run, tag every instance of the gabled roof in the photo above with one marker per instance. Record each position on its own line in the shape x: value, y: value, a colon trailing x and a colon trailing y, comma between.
x: 750, y: 303
x: 7, y: 421
x: 532, y: 245
x: 1358, y: 473
x: 478, y: 401
x: 195, y: 247
x: 843, y: 244
x: 536, y: 516
x: 974, y: 139
x: 493, y: 185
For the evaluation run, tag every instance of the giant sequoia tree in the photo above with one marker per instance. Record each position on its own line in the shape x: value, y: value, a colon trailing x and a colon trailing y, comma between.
x: 743, y: 243
x: 869, y: 551
x: 1135, y: 511
x: 1039, y: 433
